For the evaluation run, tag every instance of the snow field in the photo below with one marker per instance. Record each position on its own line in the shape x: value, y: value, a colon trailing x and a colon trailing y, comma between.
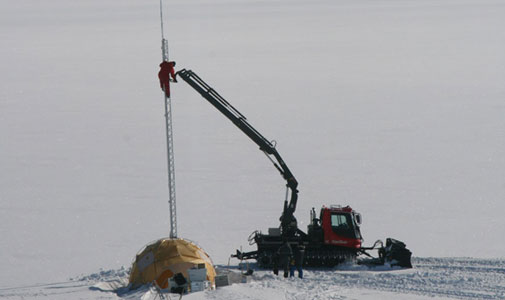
x: 431, y: 278
x: 393, y: 107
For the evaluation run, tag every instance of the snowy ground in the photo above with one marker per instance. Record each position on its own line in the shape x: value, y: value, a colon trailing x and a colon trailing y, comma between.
x: 393, y: 107
x: 458, y: 278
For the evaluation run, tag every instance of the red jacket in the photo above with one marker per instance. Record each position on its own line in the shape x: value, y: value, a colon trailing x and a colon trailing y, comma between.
x: 167, y: 70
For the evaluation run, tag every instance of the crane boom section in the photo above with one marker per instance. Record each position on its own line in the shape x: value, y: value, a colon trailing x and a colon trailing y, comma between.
x: 241, y: 122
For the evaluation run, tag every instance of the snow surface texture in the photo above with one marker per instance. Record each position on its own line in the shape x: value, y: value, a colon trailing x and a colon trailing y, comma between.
x: 393, y: 107
x: 440, y: 278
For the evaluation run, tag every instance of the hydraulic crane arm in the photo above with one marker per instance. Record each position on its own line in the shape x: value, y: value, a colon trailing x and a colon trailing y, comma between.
x: 287, y: 219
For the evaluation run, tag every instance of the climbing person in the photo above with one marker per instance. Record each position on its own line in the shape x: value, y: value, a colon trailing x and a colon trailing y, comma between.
x: 167, y: 70
x: 297, y: 261
x: 285, y: 254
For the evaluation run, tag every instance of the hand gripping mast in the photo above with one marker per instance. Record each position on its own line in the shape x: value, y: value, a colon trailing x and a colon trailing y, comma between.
x: 288, y: 221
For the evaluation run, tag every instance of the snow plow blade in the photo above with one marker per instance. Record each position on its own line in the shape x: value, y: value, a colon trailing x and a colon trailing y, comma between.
x: 397, y: 254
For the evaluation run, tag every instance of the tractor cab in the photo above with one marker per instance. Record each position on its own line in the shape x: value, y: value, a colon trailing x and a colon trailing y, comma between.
x: 340, y: 226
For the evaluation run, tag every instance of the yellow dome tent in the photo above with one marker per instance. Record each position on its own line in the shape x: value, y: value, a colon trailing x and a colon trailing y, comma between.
x: 164, y: 258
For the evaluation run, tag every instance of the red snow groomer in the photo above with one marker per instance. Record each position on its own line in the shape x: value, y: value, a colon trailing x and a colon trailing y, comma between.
x: 331, y: 238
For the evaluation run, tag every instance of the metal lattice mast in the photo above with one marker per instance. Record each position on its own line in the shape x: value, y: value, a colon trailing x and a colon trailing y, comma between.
x: 170, y: 143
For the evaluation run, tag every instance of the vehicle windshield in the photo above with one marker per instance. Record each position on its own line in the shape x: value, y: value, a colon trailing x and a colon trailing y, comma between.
x: 343, y: 225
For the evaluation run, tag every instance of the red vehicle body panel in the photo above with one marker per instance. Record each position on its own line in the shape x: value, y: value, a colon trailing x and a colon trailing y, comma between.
x: 330, y: 237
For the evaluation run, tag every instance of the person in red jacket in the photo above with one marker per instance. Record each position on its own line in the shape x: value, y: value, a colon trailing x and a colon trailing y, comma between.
x: 167, y: 70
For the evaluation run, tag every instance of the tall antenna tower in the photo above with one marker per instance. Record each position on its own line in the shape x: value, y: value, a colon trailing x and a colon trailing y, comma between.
x: 170, y: 142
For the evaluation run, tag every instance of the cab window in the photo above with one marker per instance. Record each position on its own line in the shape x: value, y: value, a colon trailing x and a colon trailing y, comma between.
x: 341, y: 224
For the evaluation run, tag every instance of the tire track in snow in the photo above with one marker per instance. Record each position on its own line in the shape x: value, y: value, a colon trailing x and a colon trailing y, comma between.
x: 460, y: 278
